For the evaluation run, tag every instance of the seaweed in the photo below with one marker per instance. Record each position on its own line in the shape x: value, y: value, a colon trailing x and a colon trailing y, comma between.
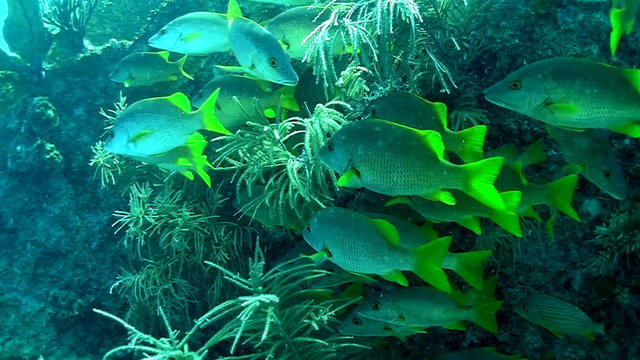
x: 278, y: 317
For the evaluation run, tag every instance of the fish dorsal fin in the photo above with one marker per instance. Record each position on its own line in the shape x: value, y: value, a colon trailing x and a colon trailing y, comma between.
x: 233, y: 10
x: 433, y: 140
x: 164, y: 55
x: 387, y: 230
x: 181, y: 101
x: 440, y: 109
x: 139, y: 136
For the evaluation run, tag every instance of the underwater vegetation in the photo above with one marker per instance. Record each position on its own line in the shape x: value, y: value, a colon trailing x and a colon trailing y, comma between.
x: 276, y: 179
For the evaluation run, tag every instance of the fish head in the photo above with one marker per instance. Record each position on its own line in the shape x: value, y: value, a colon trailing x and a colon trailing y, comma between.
x: 316, y: 232
x: 336, y: 154
x: 119, y: 74
x: 522, y: 91
x: 167, y: 38
x: 357, y: 325
x: 258, y: 51
x: 609, y: 177
x: 275, y: 66
x: 119, y: 142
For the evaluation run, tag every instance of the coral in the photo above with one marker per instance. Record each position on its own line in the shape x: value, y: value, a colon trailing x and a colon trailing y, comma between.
x: 279, y: 318
x: 106, y: 163
x: 69, y: 18
x: 619, y: 239
x: 42, y: 116
x: 283, y: 157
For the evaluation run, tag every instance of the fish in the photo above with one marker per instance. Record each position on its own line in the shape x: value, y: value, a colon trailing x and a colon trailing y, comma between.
x: 397, y: 160
x: 185, y: 159
x: 558, y: 316
x: 467, y: 211
x: 292, y: 27
x: 234, y: 113
x: 157, y: 125
x: 622, y: 17
x: 196, y: 33
x: 423, y: 307
x: 364, y: 245
x: 485, y: 353
x: 257, y: 50
x: 416, y: 112
x: 592, y: 152
x: 574, y: 94
x: 148, y: 68
x: 468, y: 265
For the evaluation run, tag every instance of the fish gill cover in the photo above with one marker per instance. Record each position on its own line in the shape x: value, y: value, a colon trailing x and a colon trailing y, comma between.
x: 288, y: 179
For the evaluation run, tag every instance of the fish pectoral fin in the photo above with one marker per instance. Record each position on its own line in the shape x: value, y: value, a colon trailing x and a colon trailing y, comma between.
x: 563, y: 109
x: 269, y: 113
x: 140, y: 136
x: 232, y: 68
x: 317, y: 258
x: 350, y: 179
x: 192, y: 36
x: 572, y: 169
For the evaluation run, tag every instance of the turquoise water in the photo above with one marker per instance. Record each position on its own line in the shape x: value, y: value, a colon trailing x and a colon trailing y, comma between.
x: 144, y: 217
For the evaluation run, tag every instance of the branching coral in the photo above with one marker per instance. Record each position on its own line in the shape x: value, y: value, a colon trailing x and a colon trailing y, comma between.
x: 619, y: 239
x: 279, y: 318
x: 283, y: 157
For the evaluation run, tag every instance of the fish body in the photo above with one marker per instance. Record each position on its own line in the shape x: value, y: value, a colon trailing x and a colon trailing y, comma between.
x: 148, y: 68
x: 197, y: 33
x: 468, y: 266
x: 233, y: 112
x: 591, y: 150
x: 573, y: 93
x: 467, y: 211
x: 293, y: 26
x: 397, y: 160
x: 557, y: 316
x: 157, y: 125
x: 416, y: 112
x: 257, y: 50
x: 423, y: 307
x: 365, y: 245
x: 622, y: 17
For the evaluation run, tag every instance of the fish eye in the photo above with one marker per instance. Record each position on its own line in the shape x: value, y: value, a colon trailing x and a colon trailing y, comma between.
x: 308, y: 228
x: 607, y: 174
x: 356, y: 321
x: 525, y: 307
x: 330, y: 146
x: 376, y: 305
x: 163, y: 31
x: 273, y: 62
x: 515, y: 85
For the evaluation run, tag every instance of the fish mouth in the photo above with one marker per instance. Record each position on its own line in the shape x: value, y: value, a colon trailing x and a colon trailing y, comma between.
x: 288, y: 82
x: 494, y: 100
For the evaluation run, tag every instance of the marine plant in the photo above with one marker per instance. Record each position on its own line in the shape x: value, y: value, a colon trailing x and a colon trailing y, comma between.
x: 172, y: 234
x: 283, y: 157
x: 275, y: 316
x: 368, y: 28
x: 70, y: 17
